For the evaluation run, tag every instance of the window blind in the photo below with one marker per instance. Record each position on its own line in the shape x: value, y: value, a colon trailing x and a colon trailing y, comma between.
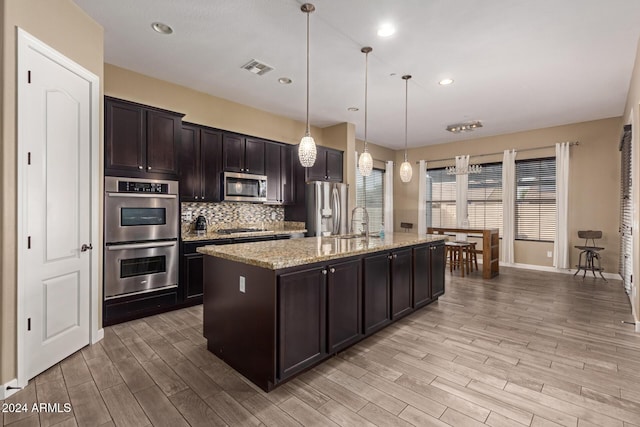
x: 625, y: 267
x: 440, y: 198
x: 536, y: 199
x: 374, y: 195
x: 484, y: 197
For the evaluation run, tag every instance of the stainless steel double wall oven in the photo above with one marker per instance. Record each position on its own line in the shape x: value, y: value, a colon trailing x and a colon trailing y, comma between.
x: 141, y: 236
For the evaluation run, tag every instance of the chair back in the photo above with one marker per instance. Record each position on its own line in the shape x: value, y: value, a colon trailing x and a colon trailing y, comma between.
x: 590, y: 235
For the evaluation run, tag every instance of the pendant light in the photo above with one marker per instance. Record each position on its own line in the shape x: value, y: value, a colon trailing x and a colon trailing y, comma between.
x: 307, y: 147
x: 365, y: 162
x: 406, y: 171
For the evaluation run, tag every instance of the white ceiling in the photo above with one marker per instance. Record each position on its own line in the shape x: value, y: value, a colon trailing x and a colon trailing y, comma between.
x: 517, y: 64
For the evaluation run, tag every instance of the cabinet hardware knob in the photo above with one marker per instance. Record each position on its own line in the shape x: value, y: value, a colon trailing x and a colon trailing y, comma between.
x: 202, y: 197
x: 324, y: 271
x: 140, y: 167
x: 196, y: 197
x: 246, y: 170
x: 395, y: 255
x: 148, y: 168
x: 333, y: 270
x: 390, y: 257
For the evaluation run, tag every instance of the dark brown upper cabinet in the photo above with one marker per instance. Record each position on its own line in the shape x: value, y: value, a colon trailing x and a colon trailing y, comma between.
x: 243, y: 154
x: 328, y: 166
x: 141, y: 141
x: 200, y: 164
x: 279, y: 172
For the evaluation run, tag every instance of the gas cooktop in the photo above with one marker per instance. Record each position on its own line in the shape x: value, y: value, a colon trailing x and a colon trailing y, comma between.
x: 238, y: 230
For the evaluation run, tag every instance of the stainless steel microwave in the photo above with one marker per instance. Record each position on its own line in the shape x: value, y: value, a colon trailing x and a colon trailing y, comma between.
x: 244, y: 187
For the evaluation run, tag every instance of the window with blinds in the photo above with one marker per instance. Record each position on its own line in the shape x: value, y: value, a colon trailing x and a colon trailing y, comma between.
x: 370, y: 194
x: 441, y: 198
x: 484, y: 197
x: 536, y: 199
x: 625, y: 267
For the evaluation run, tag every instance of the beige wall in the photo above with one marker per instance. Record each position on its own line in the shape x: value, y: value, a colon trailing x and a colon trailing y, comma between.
x: 594, y: 179
x: 66, y: 28
x: 201, y: 108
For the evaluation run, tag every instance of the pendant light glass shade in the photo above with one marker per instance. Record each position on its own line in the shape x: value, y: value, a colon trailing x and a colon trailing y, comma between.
x: 307, y: 147
x: 365, y: 162
x: 406, y: 171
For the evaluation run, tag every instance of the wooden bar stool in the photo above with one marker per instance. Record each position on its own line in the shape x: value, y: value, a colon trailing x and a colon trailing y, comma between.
x: 472, y: 255
x: 457, y: 254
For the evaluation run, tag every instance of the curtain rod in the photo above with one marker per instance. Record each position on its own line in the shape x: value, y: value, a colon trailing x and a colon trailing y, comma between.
x: 572, y: 143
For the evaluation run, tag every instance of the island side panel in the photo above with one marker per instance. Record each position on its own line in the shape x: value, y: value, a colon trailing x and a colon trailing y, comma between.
x: 240, y: 327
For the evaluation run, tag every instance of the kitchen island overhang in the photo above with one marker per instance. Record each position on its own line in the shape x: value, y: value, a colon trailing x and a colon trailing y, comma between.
x: 274, y: 309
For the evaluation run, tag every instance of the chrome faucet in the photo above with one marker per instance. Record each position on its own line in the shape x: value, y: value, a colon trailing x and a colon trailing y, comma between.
x: 365, y: 220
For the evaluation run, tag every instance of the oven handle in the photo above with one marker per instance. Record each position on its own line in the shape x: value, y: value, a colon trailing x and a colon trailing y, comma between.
x: 140, y: 246
x: 143, y: 195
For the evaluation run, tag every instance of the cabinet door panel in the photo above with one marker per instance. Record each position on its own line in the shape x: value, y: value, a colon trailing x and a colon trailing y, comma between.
x: 254, y: 156
x: 190, y: 164
x: 421, y: 275
x: 193, y: 277
x: 211, y: 165
x: 401, y: 283
x: 318, y: 172
x: 273, y: 166
x: 286, y: 175
x: 376, y: 304
x: 163, y: 137
x: 344, y: 321
x: 437, y: 270
x: 233, y: 153
x: 334, y: 165
x: 124, y: 136
x: 302, y: 320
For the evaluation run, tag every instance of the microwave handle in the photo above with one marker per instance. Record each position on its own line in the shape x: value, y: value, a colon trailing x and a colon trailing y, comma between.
x: 140, y: 246
x: 143, y: 195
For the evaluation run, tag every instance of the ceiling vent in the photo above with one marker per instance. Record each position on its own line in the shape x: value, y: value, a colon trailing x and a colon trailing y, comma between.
x: 257, y: 67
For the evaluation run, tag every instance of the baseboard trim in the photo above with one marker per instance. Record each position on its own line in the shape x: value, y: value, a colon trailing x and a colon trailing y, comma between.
x: 98, y: 336
x: 612, y: 276
x: 9, y: 389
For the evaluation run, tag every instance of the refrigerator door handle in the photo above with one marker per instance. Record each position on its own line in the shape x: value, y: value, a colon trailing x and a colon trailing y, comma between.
x: 336, y: 212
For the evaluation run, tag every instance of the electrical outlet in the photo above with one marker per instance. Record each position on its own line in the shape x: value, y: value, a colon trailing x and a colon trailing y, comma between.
x: 273, y: 216
x: 549, y: 254
x: 242, y: 284
x: 187, y: 216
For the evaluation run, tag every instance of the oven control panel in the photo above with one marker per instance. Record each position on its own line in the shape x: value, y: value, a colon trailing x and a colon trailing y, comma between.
x: 142, y: 187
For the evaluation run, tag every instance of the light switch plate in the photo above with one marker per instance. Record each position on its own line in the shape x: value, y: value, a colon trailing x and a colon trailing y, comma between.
x: 242, y: 284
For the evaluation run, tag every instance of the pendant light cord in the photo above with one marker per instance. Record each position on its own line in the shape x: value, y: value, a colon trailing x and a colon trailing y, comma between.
x: 406, y: 114
x: 366, y: 78
x: 308, y: 131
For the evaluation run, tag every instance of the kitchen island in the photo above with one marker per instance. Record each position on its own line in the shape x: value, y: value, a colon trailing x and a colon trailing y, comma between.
x: 274, y: 309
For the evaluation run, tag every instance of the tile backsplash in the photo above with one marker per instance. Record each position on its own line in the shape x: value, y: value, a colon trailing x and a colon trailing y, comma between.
x: 230, y: 214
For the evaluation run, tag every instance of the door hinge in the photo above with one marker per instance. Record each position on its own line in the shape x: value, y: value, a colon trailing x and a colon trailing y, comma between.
x: 29, y: 324
x: 29, y: 158
x: 29, y: 76
x: 28, y: 242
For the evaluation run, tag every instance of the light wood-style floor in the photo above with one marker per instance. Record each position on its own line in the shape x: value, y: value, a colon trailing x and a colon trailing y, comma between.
x: 528, y: 348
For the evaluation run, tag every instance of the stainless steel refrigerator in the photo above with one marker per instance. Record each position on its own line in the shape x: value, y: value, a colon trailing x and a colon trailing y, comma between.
x: 326, y: 208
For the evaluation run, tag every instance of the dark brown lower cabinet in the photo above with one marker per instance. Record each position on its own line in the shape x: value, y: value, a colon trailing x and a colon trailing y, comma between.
x: 302, y: 307
x: 273, y: 324
x: 344, y: 311
x: 401, y: 283
x: 376, y: 292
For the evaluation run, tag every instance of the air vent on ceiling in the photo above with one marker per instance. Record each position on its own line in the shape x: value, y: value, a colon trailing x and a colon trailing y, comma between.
x: 257, y: 67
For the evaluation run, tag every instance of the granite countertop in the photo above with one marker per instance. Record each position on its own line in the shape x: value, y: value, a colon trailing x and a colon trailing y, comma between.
x: 280, y: 228
x: 277, y: 254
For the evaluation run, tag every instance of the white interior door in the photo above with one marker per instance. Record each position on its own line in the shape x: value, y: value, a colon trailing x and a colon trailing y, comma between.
x: 54, y: 273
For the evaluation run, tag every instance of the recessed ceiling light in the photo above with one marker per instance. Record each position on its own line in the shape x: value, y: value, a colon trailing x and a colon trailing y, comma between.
x: 161, y: 28
x: 353, y: 109
x: 445, y: 82
x: 386, y: 30
x: 285, y: 80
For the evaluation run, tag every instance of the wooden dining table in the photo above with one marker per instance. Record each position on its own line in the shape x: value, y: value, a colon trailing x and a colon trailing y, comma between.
x: 490, y: 246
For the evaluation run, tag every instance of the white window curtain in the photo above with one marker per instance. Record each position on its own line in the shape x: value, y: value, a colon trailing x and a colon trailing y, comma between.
x: 388, y: 198
x: 422, y: 194
x: 561, y: 241
x: 462, y: 181
x: 508, y: 205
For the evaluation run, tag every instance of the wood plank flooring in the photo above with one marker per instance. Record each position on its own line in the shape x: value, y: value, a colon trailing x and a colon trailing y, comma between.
x: 527, y: 348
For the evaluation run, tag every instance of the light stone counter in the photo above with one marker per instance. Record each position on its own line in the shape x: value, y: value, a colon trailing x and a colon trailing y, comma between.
x: 285, y: 228
x: 278, y: 254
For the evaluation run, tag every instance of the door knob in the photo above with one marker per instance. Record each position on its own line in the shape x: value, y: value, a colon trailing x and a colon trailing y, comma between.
x: 86, y: 247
